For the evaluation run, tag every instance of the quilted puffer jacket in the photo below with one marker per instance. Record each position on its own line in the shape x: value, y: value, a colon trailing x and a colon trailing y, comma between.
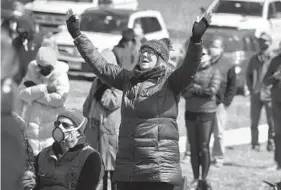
x: 148, y: 134
x: 40, y: 109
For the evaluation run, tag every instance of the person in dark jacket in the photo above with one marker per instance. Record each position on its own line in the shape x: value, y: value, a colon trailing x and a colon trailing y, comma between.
x: 70, y: 163
x: 148, y: 154
x: 126, y: 51
x: 273, y: 77
x: 260, y: 92
x: 224, y: 96
x: 200, y: 105
x: 13, y: 153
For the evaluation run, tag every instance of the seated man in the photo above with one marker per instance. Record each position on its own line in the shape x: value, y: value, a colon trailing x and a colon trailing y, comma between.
x: 70, y: 163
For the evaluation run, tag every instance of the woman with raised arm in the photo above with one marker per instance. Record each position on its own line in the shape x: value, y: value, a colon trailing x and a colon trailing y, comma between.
x: 148, y: 156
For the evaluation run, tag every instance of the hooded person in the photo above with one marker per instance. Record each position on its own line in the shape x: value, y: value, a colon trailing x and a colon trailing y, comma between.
x: 148, y: 154
x: 69, y: 163
x: 43, y: 90
x: 102, y: 107
x: 126, y: 51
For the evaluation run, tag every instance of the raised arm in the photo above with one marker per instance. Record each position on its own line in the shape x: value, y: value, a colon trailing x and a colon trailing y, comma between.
x: 111, y: 74
x: 182, y: 77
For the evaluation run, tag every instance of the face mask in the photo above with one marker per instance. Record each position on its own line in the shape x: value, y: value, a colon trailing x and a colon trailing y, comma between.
x: 60, y: 134
x: 45, y: 71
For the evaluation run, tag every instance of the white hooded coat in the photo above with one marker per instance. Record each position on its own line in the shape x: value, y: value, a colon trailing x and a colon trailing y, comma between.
x: 40, y: 107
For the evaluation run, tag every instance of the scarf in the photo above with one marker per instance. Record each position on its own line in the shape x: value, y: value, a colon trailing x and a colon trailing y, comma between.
x: 152, y: 75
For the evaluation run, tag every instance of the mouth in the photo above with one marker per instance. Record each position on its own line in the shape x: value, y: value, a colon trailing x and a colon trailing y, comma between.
x: 145, y: 61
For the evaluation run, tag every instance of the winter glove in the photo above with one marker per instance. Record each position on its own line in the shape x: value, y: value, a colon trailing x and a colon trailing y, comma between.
x: 73, y: 24
x: 200, y: 27
x: 51, y: 89
x: 29, y: 83
x: 18, y: 42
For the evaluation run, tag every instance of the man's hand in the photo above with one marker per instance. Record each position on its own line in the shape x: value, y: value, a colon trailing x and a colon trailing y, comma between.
x: 277, y: 75
x: 200, y: 27
x: 28, y: 180
x: 73, y: 24
x: 29, y: 83
x: 51, y: 89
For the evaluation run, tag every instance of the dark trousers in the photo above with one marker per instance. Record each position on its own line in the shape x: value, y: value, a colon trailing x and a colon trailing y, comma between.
x: 199, y: 127
x: 276, y: 110
x: 144, y: 186
x: 105, y: 180
x: 256, y: 107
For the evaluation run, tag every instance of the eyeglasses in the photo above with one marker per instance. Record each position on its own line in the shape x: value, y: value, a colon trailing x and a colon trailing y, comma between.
x: 65, y: 125
x: 49, y: 67
x: 149, y: 53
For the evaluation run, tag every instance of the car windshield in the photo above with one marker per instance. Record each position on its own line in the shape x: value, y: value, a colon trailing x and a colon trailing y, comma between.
x: 233, y: 41
x: 78, y: 1
x: 240, y: 7
x: 104, y: 22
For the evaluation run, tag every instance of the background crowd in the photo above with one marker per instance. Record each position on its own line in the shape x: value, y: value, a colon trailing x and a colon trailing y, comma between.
x: 127, y: 130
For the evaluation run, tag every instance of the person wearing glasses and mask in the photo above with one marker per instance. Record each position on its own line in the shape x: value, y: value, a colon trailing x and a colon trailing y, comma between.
x: 148, y: 153
x: 43, y: 90
x: 69, y: 163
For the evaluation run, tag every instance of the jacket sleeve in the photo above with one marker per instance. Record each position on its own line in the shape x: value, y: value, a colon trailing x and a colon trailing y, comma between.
x: 213, y: 87
x: 58, y: 98
x: 181, y: 78
x: 30, y: 94
x: 272, y: 68
x: 91, y: 173
x: 111, y: 74
x: 230, y: 87
x: 88, y: 101
x: 111, y: 99
x: 249, y: 76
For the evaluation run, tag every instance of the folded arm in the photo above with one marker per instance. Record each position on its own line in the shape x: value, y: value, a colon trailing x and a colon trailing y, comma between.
x: 111, y: 99
x: 58, y: 98
x: 269, y: 76
x: 212, y: 89
x: 111, y: 74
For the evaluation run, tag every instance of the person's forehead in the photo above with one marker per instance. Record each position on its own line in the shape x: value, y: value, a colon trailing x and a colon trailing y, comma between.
x: 65, y: 120
x: 217, y: 43
x: 147, y: 49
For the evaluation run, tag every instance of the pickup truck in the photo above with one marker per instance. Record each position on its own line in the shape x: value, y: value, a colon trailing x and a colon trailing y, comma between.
x: 50, y: 14
x: 103, y: 27
x: 261, y: 15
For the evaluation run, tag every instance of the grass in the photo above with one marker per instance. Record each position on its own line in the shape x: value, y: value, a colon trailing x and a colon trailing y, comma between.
x: 238, y: 112
x: 243, y: 170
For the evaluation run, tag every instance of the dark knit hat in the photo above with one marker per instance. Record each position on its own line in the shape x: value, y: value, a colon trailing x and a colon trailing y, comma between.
x: 161, y: 47
x: 76, y: 117
x: 128, y: 34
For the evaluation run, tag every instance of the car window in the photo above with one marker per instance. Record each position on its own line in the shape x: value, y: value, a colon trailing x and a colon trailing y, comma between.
x: 276, y: 13
x: 278, y: 6
x: 104, y: 23
x: 271, y: 10
x: 150, y: 24
x: 240, y: 8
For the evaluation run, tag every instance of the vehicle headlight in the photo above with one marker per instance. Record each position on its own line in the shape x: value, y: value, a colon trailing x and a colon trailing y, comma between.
x: 237, y: 70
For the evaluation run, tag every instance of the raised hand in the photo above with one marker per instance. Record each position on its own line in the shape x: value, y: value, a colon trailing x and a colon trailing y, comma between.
x: 73, y: 24
x: 200, y: 26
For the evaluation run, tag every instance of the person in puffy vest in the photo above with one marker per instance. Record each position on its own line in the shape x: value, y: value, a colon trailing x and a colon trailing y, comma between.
x: 148, y: 154
x: 43, y: 91
x: 69, y: 163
